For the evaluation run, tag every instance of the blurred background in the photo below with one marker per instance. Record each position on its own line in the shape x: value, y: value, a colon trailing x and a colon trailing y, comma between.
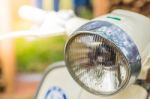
x: 23, y: 60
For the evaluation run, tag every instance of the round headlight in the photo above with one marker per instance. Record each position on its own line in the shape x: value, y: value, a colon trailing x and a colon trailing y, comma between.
x: 99, y: 58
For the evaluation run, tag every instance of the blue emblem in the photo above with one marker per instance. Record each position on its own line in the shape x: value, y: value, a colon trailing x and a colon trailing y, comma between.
x: 55, y: 93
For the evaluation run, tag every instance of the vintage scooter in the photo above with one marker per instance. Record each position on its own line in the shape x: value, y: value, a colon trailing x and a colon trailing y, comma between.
x: 105, y: 58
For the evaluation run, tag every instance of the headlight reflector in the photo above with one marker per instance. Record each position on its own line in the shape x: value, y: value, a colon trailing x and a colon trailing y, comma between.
x: 96, y: 64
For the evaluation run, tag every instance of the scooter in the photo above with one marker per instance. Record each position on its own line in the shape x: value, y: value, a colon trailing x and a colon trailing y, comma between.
x: 105, y: 58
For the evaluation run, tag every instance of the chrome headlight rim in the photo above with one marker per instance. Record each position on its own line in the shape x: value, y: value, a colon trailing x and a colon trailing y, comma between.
x: 118, y: 49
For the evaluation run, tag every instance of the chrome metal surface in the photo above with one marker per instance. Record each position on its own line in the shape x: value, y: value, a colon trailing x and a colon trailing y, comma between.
x: 102, y: 58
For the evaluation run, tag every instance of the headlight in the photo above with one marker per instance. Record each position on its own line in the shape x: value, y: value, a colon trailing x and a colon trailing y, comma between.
x: 97, y: 64
x: 102, y: 58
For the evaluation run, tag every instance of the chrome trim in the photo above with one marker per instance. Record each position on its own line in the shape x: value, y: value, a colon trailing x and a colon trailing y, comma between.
x: 120, y: 39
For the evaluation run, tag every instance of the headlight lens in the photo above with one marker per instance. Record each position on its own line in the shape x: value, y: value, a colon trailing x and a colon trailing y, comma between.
x: 96, y: 63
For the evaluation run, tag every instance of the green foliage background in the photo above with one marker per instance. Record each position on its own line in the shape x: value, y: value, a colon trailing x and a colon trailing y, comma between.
x: 35, y: 55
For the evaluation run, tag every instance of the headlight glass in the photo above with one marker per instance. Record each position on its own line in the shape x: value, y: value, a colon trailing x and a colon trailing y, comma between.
x: 96, y: 63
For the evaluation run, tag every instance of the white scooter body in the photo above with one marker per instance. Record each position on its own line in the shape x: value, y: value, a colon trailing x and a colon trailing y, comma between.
x: 58, y: 84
